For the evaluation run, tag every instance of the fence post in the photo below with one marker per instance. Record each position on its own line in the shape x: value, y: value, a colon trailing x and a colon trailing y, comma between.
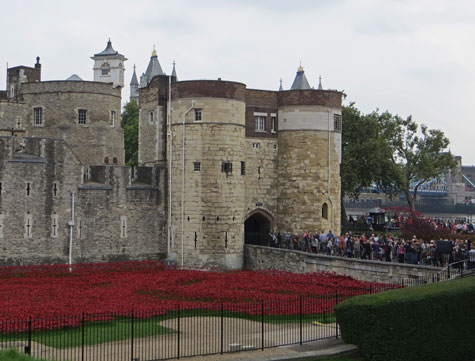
x: 370, y: 290
x: 448, y: 272
x: 132, y: 335
x: 178, y: 333
x: 82, y: 337
x: 300, y: 318
x: 336, y: 323
x: 28, y: 347
x: 222, y: 328
x: 262, y: 328
x: 461, y: 270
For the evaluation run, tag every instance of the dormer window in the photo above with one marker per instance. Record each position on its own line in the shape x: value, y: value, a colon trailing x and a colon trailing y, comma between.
x: 105, y: 68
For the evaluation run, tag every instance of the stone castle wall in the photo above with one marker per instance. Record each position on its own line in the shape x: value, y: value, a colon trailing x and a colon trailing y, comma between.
x: 61, y: 101
x: 115, y: 218
x: 258, y: 258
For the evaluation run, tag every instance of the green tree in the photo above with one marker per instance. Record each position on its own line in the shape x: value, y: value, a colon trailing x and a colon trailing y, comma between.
x: 394, y: 153
x: 365, y: 151
x: 418, y: 155
x: 130, y: 124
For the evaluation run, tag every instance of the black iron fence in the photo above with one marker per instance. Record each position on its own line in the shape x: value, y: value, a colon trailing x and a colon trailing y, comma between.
x: 183, y: 332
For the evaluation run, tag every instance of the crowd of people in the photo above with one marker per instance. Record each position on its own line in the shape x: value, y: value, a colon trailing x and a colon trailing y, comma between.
x: 386, y: 248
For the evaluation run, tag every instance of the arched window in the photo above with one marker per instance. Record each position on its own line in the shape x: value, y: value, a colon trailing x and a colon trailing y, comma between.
x: 105, y: 68
x: 114, y: 160
x: 106, y: 160
x: 325, y: 211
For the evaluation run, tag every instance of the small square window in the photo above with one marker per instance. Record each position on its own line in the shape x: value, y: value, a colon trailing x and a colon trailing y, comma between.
x: 198, y: 115
x: 112, y: 118
x: 275, y: 147
x: 256, y: 145
x: 197, y: 166
x: 227, y: 167
x: 38, y: 116
x: 82, y: 116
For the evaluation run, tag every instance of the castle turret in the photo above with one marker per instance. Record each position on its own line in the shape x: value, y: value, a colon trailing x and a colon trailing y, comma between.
x: 134, y: 87
x: 109, y: 66
x: 309, y: 157
x: 207, y: 184
x: 174, y: 72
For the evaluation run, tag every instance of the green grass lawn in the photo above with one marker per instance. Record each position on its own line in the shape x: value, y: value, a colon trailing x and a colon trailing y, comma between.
x: 94, y: 333
x: 14, y: 355
x: 120, y: 328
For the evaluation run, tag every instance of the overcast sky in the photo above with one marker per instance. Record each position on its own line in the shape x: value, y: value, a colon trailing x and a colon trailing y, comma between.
x: 411, y: 57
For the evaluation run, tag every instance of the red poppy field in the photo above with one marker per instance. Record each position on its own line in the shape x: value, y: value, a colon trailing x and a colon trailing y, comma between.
x: 51, y: 291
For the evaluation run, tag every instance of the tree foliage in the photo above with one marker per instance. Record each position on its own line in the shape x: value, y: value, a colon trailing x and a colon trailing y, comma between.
x: 391, y: 152
x: 130, y: 124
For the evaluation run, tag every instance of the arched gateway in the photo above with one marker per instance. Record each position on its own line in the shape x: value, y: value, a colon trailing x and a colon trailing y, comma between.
x: 257, y: 227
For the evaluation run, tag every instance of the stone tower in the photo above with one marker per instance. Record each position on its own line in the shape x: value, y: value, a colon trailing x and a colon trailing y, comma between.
x: 207, y: 186
x: 109, y: 66
x: 309, y: 157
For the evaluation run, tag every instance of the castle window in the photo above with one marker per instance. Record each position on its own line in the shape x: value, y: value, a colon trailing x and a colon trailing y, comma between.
x: 1, y: 225
x: 82, y: 116
x: 54, y: 226
x: 28, y: 225
x: 28, y: 189
x: 18, y: 123
x: 106, y: 160
x: 55, y: 189
x: 112, y: 118
x: 273, y: 123
x: 227, y: 167
x: 243, y: 168
x: 38, y: 116
x: 105, y: 68
x: 197, y: 166
x: 151, y: 117
x: 275, y: 147
x: 79, y: 226
x: 337, y: 124
x: 114, y: 160
x: 260, y: 123
x: 1, y: 188
x: 256, y: 145
x: 198, y: 115
x: 325, y: 211
x: 123, y: 226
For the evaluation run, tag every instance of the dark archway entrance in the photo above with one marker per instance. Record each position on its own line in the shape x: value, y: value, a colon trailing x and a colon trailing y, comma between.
x: 256, y: 229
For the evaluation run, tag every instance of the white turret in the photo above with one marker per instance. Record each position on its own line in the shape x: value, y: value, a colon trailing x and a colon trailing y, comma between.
x: 109, y: 66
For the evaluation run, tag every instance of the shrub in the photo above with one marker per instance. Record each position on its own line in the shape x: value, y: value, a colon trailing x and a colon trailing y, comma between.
x: 432, y: 322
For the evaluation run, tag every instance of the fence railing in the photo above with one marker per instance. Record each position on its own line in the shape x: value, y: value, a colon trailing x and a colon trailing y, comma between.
x: 211, y: 329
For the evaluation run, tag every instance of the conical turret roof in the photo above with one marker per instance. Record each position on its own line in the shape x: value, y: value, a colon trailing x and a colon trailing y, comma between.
x: 300, y: 81
x: 153, y: 69
x: 134, y: 81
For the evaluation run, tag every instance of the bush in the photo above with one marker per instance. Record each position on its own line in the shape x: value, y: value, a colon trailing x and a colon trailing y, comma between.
x: 432, y: 322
